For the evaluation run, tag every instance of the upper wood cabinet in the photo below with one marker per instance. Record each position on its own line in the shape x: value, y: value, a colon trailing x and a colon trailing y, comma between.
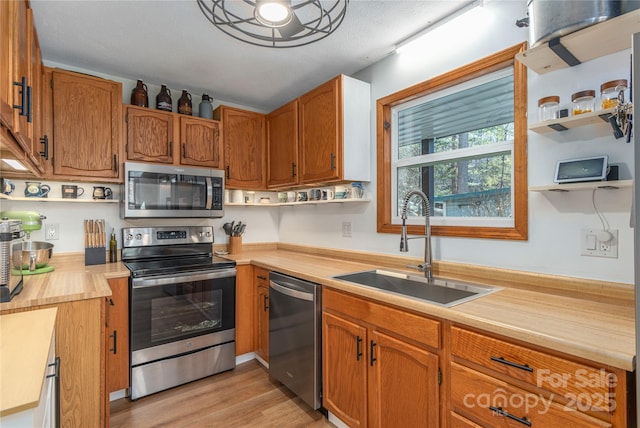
x: 282, y: 146
x: 243, y: 136
x: 334, y: 136
x: 164, y: 137
x: 321, y: 137
x: 87, y: 127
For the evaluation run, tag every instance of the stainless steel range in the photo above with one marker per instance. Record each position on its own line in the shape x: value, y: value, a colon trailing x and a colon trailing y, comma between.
x: 182, y: 307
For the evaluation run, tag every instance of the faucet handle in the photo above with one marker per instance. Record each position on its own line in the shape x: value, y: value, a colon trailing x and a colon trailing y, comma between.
x: 419, y: 267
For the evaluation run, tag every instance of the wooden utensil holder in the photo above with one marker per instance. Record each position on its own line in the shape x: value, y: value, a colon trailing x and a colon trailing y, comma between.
x: 235, y: 245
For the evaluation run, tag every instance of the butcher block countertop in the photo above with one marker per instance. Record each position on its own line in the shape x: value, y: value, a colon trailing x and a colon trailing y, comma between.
x: 24, y: 352
x: 595, y: 326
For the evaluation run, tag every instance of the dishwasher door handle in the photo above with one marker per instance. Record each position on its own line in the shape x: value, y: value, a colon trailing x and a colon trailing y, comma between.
x: 296, y: 294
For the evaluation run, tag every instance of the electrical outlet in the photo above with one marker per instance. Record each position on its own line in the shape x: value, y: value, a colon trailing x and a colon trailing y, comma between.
x: 599, y: 243
x: 346, y: 229
x: 52, y: 231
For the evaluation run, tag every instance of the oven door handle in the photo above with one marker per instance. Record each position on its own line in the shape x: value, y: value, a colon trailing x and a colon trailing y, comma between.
x: 296, y: 294
x: 172, y: 279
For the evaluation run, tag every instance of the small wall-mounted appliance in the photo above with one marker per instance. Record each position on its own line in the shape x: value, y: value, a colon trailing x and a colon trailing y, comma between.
x: 593, y: 168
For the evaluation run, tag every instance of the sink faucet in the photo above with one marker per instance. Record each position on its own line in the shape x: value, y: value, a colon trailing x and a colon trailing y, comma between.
x: 404, y: 239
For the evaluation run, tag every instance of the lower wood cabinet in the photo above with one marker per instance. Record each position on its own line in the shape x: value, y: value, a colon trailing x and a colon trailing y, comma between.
x: 261, y: 283
x: 245, y: 298
x: 117, y: 337
x: 380, y: 364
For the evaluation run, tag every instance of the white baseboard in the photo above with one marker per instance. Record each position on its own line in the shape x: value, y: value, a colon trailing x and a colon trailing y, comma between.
x: 337, y: 422
x: 116, y: 395
x: 245, y: 357
x: 261, y: 361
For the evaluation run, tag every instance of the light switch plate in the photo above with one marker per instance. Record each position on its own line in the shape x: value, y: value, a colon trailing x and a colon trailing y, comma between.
x: 591, y: 243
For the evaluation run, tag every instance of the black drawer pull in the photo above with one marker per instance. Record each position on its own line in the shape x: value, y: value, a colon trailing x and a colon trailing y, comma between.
x: 115, y: 342
x: 265, y: 307
x: 264, y: 278
x: 372, y: 357
x: 498, y: 411
x: 358, y: 348
x: 512, y: 364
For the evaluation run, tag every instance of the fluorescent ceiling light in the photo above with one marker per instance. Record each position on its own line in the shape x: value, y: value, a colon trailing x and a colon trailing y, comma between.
x: 15, y: 164
x: 411, y: 41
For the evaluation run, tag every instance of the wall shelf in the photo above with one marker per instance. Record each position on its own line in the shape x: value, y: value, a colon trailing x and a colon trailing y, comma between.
x: 589, y: 43
x: 281, y: 204
x: 23, y: 198
x: 598, y: 118
x: 567, y: 187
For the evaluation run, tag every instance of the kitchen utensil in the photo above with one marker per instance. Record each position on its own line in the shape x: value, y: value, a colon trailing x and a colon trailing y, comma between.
x: 35, y: 254
x: 227, y: 228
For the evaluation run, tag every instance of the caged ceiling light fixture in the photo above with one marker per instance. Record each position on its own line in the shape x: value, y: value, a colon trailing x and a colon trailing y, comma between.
x: 276, y: 23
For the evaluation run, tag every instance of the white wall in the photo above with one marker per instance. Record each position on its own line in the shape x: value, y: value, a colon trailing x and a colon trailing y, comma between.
x: 554, y: 220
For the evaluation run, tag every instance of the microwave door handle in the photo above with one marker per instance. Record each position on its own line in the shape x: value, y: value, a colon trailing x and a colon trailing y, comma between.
x: 209, y: 182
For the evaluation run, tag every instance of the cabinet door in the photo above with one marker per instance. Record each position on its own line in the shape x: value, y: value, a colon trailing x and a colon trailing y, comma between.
x: 262, y: 342
x: 118, y: 335
x: 344, y: 370
x: 150, y: 135
x: 282, y: 146
x: 320, y: 133
x: 403, y: 384
x: 6, y: 54
x: 87, y: 126
x: 36, y: 99
x: 200, y: 143
x: 245, y: 312
x: 243, y: 141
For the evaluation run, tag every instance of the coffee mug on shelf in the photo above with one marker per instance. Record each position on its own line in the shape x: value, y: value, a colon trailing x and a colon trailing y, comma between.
x: 71, y: 191
x: 315, y: 194
x: 291, y: 196
x: 101, y: 192
x: 328, y: 194
x: 35, y: 189
x: 301, y: 196
x: 282, y: 197
x: 7, y: 186
x: 237, y: 197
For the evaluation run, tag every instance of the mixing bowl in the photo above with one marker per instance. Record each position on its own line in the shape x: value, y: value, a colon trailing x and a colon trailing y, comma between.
x: 35, y: 254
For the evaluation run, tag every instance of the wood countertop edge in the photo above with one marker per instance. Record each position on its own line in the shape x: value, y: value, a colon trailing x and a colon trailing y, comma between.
x: 22, y: 383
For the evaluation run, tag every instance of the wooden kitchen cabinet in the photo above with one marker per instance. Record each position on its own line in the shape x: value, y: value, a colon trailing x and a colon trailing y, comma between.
x: 261, y: 281
x: 150, y: 135
x: 282, y: 146
x: 87, y: 127
x: 530, y: 384
x: 334, y: 135
x: 245, y: 312
x: 200, y: 142
x: 117, y: 335
x: 390, y: 358
x: 243, y: 142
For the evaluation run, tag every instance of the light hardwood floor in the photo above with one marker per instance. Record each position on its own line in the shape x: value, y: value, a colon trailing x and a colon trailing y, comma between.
x: 243, y: 397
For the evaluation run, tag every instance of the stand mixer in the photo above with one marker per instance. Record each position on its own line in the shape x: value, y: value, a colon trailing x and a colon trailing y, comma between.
x: 35, y: 254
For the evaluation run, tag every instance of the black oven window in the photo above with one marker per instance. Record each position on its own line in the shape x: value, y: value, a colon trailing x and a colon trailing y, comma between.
x: 184, y: 309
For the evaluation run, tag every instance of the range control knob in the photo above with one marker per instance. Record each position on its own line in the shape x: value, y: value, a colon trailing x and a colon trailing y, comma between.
x: 208, y: 233
x: 138, y: 236
x: 129, y: 237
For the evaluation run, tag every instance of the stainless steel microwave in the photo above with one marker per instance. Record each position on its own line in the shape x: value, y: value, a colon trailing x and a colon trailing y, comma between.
x: 169, y: 191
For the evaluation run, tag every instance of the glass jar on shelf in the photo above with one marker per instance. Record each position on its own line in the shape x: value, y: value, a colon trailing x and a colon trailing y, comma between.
x: 548, y: 108
x: 583, y: 102
x: 609, y: 92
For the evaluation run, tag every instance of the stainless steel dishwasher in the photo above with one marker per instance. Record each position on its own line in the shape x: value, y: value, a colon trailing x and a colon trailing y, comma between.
x: 295, y: 336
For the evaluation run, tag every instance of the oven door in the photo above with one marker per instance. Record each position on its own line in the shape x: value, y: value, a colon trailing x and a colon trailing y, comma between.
x: 176, y: 314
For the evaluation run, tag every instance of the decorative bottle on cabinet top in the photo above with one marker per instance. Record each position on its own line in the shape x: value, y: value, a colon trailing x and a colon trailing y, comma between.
x: 139, y: 95
x: 205, y: 107
x: 163, y: 99
x: 184, y: 103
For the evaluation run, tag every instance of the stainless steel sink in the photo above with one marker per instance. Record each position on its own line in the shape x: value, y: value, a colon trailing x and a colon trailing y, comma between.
x: 438, y: 291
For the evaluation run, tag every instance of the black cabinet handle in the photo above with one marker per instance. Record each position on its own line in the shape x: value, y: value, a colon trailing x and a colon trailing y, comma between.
x: 372, y: 357
x: 293, y: 169
x: 56, y: 375
x: 184, y: 150
x: 29, y: 104
x: 170, y: 149
x: 23, y: 92
x: 501, y: 360
x: 228, y: 172
x: 333, y: 161
x: 111, y: 302
x: 265, y: 307
x: 45, y: 142
x: 358, y: 348
x: 498, y: 411
x: 264, y: 278
x: 115, y: 342
x: 115, y: 163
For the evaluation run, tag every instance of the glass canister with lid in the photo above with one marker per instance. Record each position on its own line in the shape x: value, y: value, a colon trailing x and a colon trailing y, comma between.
x: 548, y: 108
x: 583, y: 102
x: 609, y: 92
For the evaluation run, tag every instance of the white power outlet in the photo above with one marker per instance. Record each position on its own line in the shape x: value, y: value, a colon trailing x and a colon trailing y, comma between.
x: 346, y: 229
x: 52, y: 232
x: 599, y: 243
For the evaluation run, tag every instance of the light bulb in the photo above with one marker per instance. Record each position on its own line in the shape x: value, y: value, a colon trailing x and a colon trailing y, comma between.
x: 273, y: 13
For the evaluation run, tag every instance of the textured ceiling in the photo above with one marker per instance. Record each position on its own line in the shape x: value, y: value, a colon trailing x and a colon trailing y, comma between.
x: 171, y: 42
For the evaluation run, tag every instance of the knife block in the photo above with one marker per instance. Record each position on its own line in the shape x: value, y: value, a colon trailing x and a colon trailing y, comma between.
x: 235, y: 245
x: 95, y: 256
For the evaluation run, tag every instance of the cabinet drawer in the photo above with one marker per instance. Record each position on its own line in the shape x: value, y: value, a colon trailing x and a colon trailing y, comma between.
x: 411, y: 326
x: 588, y: 388
x: 261, y: 276
x: 492, y: 402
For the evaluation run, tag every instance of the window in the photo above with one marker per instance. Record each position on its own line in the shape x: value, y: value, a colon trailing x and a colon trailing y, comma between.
x: 461, y: 139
